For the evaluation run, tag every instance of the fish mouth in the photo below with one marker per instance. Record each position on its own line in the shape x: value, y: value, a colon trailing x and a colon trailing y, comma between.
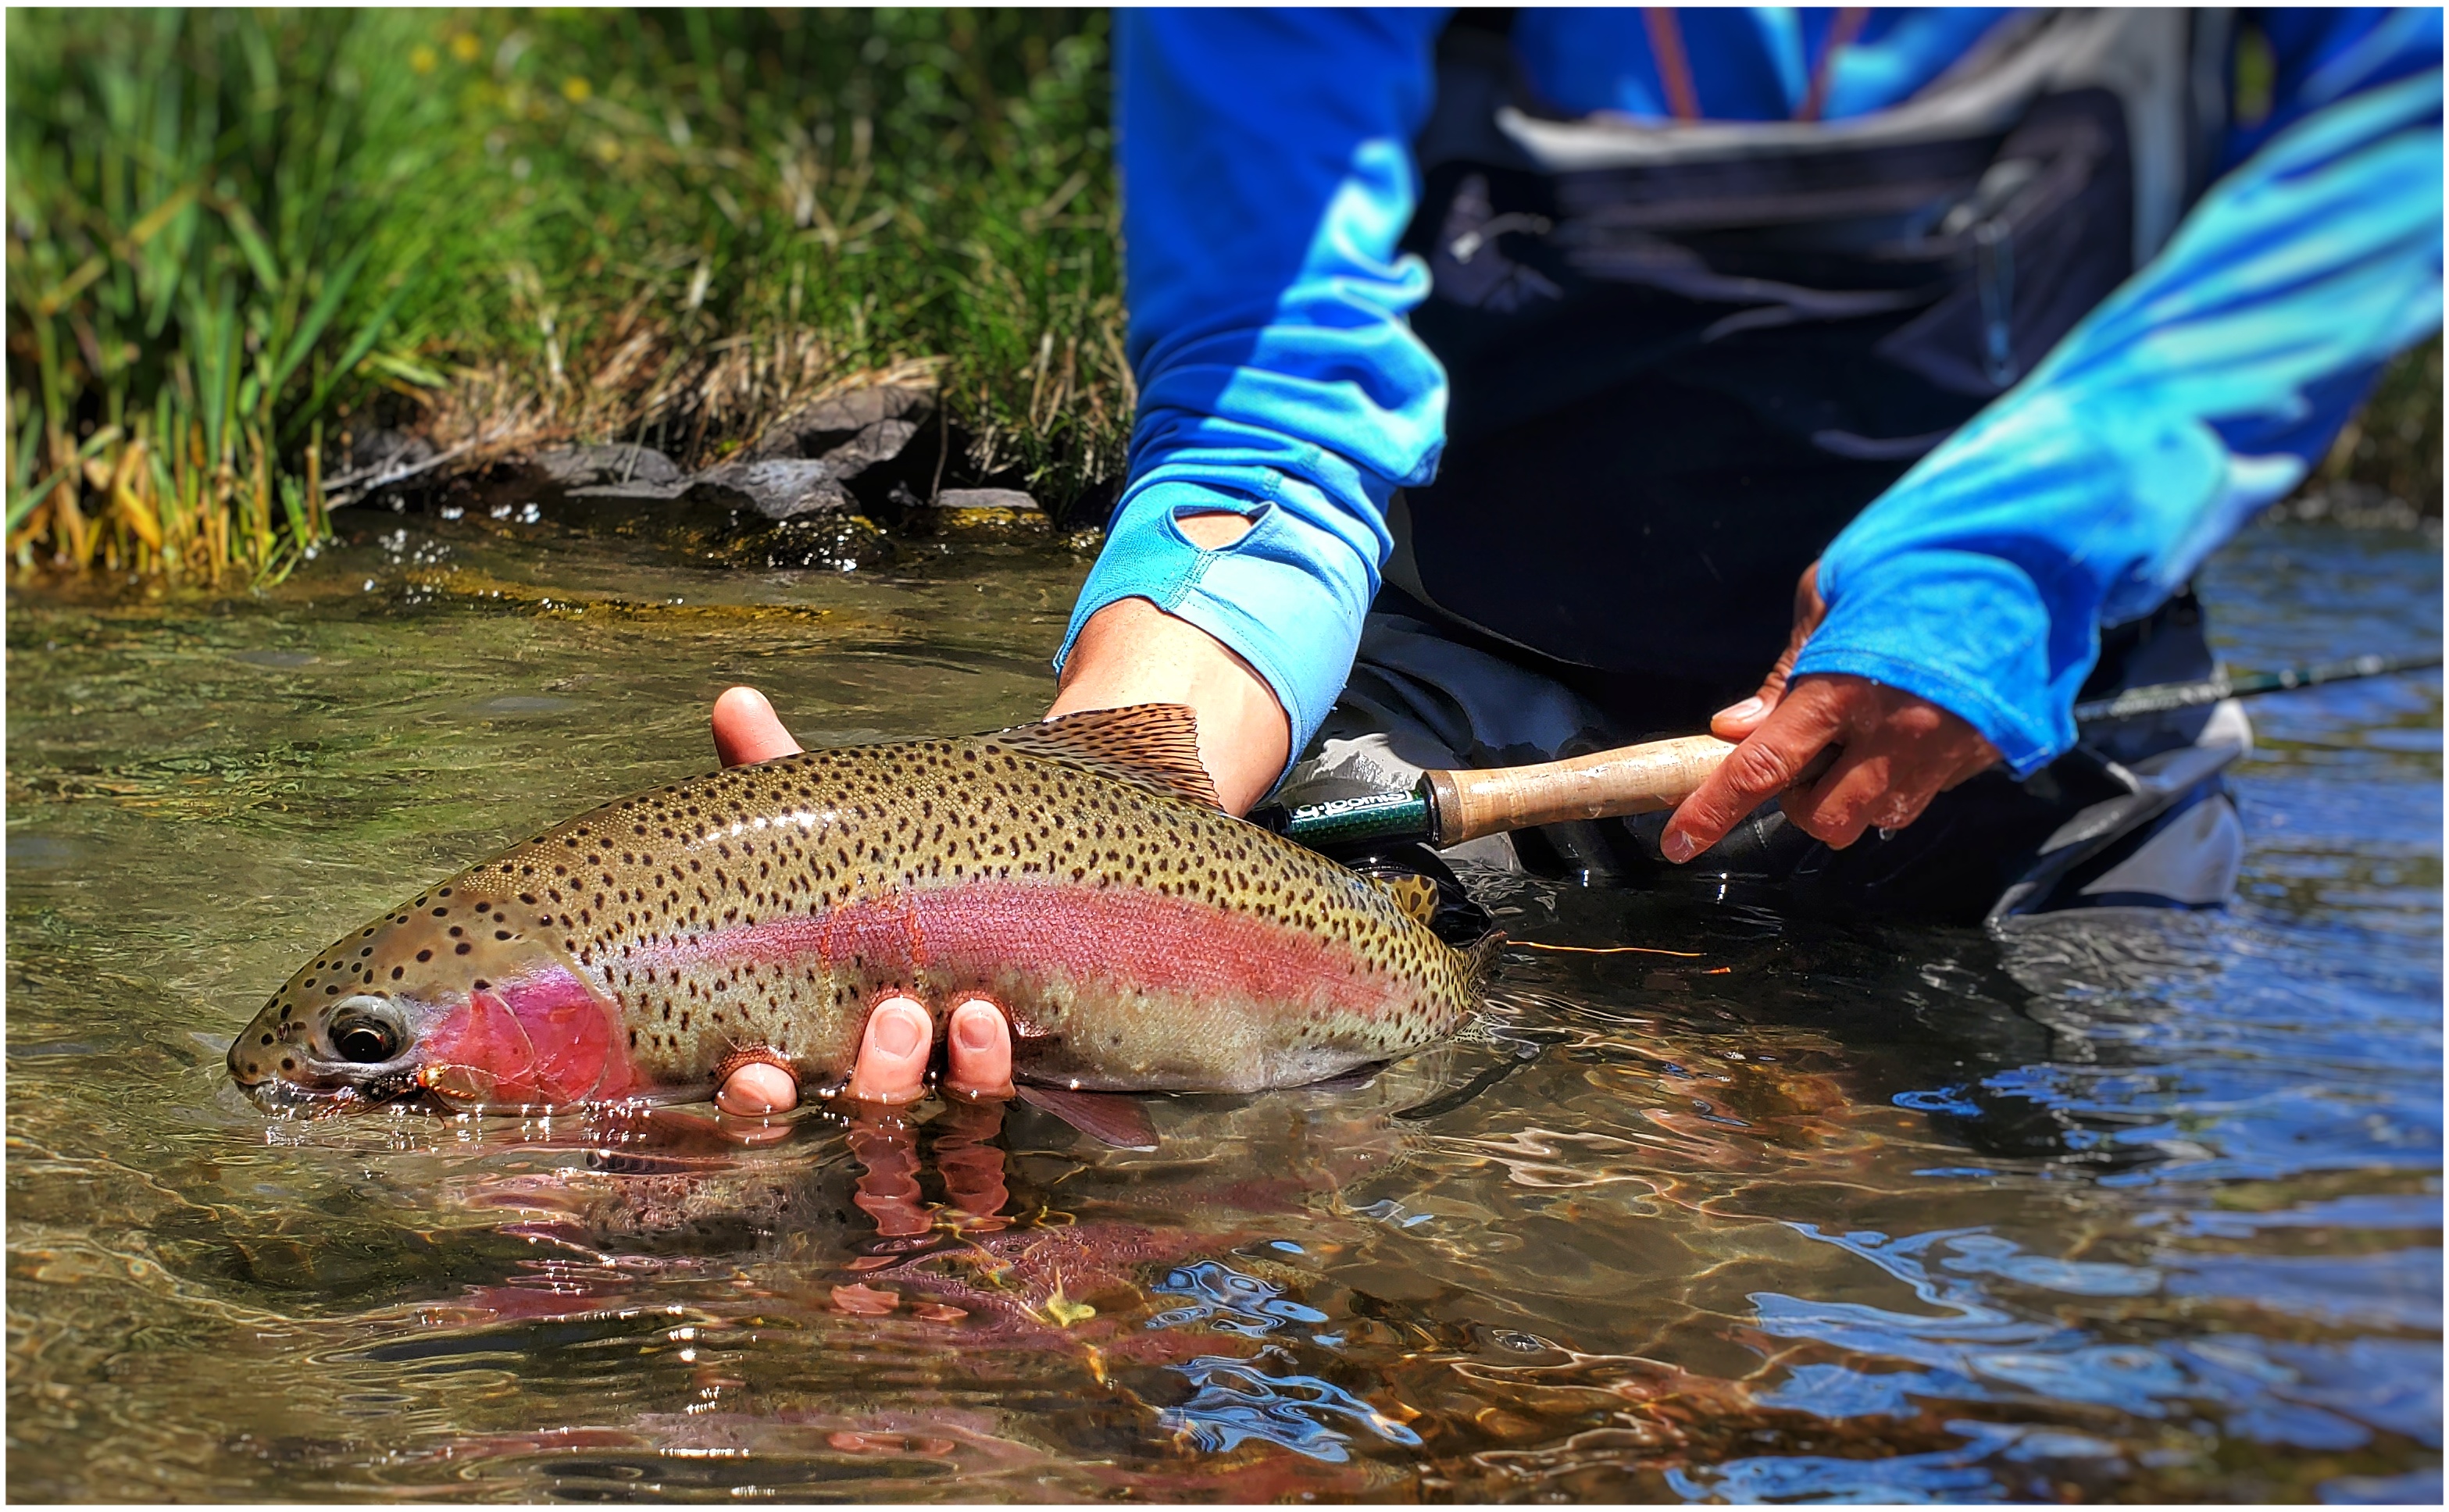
x: 398, y: 1088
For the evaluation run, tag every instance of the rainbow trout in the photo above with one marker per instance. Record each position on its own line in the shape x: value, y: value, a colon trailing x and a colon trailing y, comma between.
x: 1078, y: 873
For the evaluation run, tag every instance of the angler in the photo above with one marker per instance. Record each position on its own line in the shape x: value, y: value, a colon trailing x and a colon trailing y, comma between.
x: 1520, y: 383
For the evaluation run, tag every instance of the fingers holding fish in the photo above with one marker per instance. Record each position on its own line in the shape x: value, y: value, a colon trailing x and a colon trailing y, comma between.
x: 893, y: 1053
x: 749, y: 1133
x: 679, y: 1130
x: 972, y: 1167
x: 758, y: 1089
x: 963, y: 1138
x: 748, y: 731
x: 980, y: 1051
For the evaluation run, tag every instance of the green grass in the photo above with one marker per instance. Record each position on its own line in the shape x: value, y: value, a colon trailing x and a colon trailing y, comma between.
x: 235, y: 235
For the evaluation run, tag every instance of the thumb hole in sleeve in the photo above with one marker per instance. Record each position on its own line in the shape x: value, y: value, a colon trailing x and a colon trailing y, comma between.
x: 1216, y: 528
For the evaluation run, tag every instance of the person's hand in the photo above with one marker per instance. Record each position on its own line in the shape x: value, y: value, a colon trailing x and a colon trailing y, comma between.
x: 748, y: 731
x: 1896, y: 752
x: 892, y: 1051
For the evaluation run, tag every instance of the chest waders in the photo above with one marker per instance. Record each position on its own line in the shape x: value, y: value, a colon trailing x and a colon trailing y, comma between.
x: 1684, y: 357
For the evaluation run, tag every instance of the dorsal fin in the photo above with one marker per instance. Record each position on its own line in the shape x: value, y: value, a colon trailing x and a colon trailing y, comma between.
x: 1155, y: 745
x: 1414, y: 894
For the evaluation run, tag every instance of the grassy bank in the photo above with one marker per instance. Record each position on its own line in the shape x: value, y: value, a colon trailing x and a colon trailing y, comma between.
x: 237, y: 237
x: 239, y: 240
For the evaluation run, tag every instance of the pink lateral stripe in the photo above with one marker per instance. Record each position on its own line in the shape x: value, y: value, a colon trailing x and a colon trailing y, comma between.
x: 1084, y: 935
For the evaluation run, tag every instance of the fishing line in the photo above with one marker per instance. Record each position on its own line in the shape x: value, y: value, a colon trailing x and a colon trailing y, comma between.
x: 1603, y: 949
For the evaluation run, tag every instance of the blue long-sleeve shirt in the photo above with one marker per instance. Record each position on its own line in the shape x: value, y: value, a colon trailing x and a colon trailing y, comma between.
x: 1268, y: 177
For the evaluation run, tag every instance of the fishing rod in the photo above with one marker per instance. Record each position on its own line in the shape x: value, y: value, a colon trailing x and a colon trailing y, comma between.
x: 2164, y: 698
x: 1448, y: 807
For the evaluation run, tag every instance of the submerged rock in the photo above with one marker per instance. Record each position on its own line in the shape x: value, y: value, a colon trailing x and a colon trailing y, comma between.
x: 817, y: 489
x: 984, y: 514
x: 835, y: 541
x: 635, y: 491
x: 877, y: 443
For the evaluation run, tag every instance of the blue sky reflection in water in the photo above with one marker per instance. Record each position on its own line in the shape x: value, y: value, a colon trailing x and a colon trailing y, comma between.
x: 1832, y: 1212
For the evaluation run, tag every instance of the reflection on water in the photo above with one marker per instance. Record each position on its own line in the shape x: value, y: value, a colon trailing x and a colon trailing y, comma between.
x: 1831, y: 1213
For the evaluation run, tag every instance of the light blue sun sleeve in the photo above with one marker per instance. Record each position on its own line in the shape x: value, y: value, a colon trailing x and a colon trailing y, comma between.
x: 2194, y: 397
x: 1268, y: 176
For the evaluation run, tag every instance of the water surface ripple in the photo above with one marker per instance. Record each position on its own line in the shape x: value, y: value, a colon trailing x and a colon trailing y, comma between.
x: 1831, y: 1213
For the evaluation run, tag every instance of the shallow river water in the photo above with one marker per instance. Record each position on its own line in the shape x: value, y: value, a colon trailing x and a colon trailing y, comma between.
x: 1820, y: 1213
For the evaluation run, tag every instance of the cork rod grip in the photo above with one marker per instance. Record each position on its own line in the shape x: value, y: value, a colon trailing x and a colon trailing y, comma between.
x: 1603, y: 785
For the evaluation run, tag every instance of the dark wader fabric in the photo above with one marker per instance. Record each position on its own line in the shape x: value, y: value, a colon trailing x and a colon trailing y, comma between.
x: 1684, y: 357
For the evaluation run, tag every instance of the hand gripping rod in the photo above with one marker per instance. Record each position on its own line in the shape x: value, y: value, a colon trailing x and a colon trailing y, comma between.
x: 1448, y: 807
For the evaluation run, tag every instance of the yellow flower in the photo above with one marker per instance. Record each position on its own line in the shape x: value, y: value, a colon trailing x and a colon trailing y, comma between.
x: 576, y: 89
x: 422, y: 58
x: 465, y: 46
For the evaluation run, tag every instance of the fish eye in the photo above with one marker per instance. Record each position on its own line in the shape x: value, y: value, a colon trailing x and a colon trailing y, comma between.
x: 366, y: 1044
x: 367, y: 1041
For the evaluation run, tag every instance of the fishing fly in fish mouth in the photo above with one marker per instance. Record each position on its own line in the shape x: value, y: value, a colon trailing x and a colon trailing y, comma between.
x: 1061, y: 904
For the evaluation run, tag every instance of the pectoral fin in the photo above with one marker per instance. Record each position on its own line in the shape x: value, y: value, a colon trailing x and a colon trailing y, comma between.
x: 1114, y: 1118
